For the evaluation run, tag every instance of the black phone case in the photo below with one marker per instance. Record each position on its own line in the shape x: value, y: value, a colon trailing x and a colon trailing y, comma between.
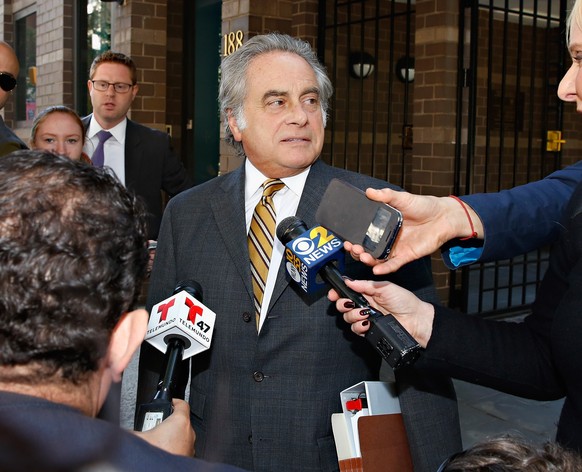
x: 348, y: 213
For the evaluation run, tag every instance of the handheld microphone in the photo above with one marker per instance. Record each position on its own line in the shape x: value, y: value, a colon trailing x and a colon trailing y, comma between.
x: 180, y: 326
x: 303, y: 257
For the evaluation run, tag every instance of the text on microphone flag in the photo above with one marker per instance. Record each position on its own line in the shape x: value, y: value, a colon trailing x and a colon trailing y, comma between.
x: 185, y: 317
x: 308, y: 252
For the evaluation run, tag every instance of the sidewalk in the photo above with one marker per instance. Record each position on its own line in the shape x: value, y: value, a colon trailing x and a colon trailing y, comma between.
x: 485, y: 412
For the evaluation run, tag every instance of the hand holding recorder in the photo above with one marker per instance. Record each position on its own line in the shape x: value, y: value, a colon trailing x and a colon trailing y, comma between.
x: 414, y: 314
x: 310, y: 254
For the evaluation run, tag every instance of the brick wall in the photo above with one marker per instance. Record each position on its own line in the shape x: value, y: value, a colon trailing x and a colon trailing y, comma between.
x: 368, y: 114
x: 435, y: 107
x: 175, y: 70
x: 54, y: 53
x: 139, y: 29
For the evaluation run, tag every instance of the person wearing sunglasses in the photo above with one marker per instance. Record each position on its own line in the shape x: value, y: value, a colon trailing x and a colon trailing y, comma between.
x: 9, y: 68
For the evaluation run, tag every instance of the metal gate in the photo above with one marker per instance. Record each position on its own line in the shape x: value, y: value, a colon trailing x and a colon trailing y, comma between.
x: 513, y: 59
x: 513, y: 54
x: 368, y: 46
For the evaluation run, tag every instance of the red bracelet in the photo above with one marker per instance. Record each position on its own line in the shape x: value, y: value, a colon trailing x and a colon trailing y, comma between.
x: 473, y: 232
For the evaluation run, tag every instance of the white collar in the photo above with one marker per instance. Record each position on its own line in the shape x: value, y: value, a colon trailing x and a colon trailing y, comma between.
x: 254, y: 178
x: 118, y: 131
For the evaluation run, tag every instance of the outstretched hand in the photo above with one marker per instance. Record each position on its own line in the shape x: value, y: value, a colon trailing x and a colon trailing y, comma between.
x: 415, y: 315
x: 428, y: 223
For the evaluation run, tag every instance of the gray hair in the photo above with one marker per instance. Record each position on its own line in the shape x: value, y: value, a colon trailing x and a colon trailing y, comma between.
x: 233, y: 83
x: 575, y: 16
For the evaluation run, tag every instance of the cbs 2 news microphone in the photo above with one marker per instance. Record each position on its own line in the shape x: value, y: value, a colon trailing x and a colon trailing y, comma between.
x: 311, y: 255
x: 180, y: 326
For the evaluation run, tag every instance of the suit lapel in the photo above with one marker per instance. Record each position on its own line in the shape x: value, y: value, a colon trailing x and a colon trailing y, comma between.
x: 86, y: 120
x: 132, y: 153
x: 228, y: 209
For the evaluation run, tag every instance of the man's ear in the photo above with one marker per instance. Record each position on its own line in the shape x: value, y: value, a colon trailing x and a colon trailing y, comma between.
x: 134, y: 91
x: 127, y: 336
x: 233, y: 125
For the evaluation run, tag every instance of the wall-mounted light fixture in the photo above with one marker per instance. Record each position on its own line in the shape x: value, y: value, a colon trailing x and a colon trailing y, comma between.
x: 405, y: 69
x: 361, y: 64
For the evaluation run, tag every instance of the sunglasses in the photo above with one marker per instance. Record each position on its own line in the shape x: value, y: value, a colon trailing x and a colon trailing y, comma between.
x: 7, y: 82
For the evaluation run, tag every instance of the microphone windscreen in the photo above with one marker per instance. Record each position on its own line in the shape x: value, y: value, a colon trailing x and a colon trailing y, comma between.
x: 190, y: 286
x: 290, y: 228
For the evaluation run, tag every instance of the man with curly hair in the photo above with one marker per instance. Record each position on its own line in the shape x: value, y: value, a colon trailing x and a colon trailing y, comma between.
x: 72, y: 258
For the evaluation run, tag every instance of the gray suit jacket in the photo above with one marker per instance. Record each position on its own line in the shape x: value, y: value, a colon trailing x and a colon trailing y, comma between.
x: 264, y: 402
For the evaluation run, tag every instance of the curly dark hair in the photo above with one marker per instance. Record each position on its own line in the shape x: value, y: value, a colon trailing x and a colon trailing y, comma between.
x: 509, y: 453
x: 73, y: 255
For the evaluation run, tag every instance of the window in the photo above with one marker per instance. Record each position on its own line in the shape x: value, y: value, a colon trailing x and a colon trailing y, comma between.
x: 25, y: 47
x: 93, y: 30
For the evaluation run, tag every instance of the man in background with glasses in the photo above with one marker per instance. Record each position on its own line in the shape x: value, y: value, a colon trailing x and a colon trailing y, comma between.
x: 141, y: 157
x: 9, y: 68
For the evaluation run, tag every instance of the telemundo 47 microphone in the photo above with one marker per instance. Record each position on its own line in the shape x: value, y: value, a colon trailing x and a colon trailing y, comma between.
x: 310, y: 255
x: 180, y: 326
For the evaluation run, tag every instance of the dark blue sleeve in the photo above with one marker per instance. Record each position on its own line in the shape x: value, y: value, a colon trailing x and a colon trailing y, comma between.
x: 518, y: 220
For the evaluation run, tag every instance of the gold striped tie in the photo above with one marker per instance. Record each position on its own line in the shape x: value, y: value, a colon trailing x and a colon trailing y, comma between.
x: 261, y: 234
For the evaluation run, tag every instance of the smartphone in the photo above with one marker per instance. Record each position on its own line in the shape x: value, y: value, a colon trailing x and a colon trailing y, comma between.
x: 349, y: 214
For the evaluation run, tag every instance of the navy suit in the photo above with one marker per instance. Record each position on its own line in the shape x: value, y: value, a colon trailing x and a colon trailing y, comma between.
x: 8, y: 140
x: 150, y: 167
x: 264, y: 402
x: 538, y: 358
x: 523, y: 218
x: 37, y: 434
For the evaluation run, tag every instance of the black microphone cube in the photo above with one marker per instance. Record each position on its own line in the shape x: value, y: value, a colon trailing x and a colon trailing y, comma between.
x: 391, y: 340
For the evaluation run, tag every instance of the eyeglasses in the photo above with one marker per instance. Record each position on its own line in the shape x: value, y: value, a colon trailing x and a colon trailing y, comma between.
x: 103, y: 85
x: 7, y: 81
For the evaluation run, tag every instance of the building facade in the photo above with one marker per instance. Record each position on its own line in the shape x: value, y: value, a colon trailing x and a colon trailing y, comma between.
x: 437, y: 96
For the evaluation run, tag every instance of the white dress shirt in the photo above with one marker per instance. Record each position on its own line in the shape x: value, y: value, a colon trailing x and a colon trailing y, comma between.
x: 286, y: 202
x: 113, y: 148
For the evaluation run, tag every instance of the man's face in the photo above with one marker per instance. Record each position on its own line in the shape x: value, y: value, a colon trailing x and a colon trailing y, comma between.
x: 284, y: 124
x: 111, y: 107
x: 8, y: 65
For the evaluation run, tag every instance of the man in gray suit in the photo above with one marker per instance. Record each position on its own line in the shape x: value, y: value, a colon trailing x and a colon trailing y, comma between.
x: 263, y: 400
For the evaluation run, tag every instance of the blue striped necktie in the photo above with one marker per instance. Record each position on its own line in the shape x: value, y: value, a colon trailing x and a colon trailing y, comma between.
x: 98, y: 157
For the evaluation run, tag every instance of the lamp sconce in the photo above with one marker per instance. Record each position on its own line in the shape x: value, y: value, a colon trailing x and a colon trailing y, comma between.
x: 405, y: 69
x: 32, y: 75
x: 362, y: 64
